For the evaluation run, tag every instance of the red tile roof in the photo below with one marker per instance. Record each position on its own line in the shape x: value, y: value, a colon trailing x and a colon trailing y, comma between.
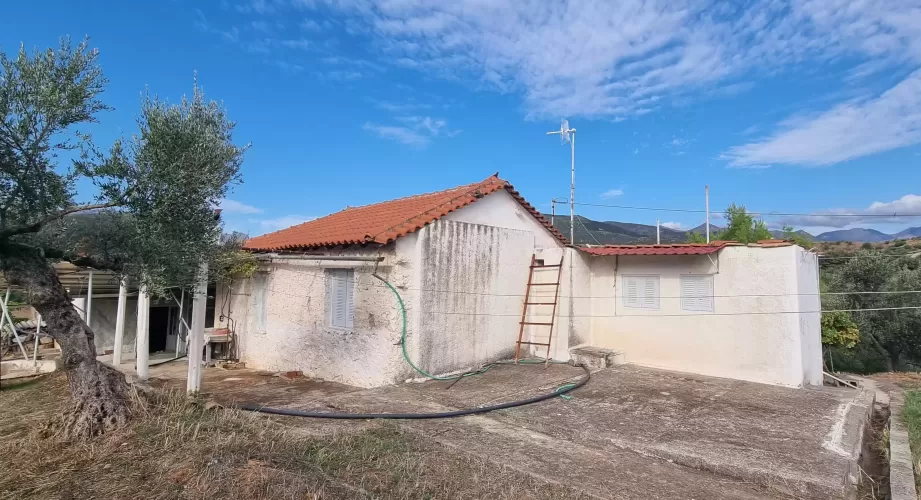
x: 677, y: 248
x: 384, y: 222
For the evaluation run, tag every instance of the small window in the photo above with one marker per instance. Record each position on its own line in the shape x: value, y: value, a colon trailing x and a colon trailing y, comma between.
x: 641, y: 291
x: 340, y: 301
x: 697, y: 293
x: 260, y: 306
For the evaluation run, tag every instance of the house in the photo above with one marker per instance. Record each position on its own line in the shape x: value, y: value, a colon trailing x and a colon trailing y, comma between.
x: 459, y: 260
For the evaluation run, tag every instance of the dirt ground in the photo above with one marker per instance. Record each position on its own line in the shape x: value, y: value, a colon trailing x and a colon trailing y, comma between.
x: 632, y: 432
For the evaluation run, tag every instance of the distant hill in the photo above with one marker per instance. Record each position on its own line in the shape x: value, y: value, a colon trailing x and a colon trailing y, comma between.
x: 593, y: 232
x: 856, y: 234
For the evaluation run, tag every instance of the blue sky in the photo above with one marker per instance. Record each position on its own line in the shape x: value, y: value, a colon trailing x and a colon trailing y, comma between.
x: 780, y: 105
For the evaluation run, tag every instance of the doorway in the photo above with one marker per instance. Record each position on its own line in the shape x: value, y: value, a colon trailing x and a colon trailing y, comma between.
x: 158, y: 328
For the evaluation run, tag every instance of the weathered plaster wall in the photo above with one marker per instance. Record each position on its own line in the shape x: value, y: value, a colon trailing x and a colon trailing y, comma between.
x: 102, y: 321
x: 726, y: 343
x: 296, y: 335
x: 500, y: 210
x: 471, y: 277
x: 810, y: 321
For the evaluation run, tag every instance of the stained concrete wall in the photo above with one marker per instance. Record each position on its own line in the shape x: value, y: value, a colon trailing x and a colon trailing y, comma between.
x: 102, y: 321
x: 810, y: 319
x: 737, y: 340
x: 296, y: 335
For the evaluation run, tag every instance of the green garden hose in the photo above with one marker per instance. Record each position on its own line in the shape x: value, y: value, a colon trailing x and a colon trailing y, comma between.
x: 478, y: 371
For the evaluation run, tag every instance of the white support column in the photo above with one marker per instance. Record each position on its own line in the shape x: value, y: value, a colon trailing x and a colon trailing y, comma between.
x: 197, y: 333
x: 89, y: 299
x: 120, y: 323
x: 38, y: 331
x: 142, y: 340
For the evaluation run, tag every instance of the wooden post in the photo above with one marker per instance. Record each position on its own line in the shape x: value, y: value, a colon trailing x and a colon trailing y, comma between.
x: 120, y: 323
x: 197, y: 334
x: 142, y: 340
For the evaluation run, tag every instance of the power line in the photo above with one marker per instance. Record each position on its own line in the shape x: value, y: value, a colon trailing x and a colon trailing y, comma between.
x: 750, y: 212
x: 656, y: 315
x: 880, y: 256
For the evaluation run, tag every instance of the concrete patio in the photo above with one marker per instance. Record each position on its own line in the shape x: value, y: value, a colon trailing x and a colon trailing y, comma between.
x: 631, y: 432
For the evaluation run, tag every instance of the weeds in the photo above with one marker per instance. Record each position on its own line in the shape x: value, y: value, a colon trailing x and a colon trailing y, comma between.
x: 911, y: 413
x: 178, y: 447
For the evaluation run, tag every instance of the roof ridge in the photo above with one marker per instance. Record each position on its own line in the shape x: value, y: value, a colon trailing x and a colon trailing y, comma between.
x: 409, y: 197
x: 470, y: 187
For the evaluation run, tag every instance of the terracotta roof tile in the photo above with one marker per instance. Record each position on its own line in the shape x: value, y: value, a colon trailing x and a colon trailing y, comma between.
x: 384, y: 222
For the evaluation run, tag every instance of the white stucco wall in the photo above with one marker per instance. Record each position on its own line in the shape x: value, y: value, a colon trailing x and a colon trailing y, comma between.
x: 810, y: 320
x: 103, y: 323
x: 296, y: 334
x: 738, y: 340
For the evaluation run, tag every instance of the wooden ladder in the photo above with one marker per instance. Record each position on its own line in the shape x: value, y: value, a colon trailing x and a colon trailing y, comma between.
x: 527, y: 302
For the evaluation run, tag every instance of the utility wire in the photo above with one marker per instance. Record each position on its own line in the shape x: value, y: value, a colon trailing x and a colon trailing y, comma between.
x: 657, y: 315
x: 750, y: 212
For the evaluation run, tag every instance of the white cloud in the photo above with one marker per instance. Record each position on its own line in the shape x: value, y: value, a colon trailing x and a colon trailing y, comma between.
x: 677, y: 226
x: 850, y: 130
x: 236, y: 207
x: 283, y: 222
x: 908, y: 206
x: 612, y: 193
x: 417, y: 131
x: 404, y: 135
x: 598, y: 58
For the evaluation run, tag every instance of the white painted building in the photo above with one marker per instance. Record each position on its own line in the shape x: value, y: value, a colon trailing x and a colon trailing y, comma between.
x: 459, y: 260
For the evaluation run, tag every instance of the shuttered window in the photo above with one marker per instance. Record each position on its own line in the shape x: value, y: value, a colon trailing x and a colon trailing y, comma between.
x: 340, y: 301
x: 641, y: 291
x: 697, y: 293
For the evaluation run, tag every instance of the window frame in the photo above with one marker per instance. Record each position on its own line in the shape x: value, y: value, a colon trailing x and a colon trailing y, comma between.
x: 683, y: 302
x: 332, y: 283
x: 642, y: 303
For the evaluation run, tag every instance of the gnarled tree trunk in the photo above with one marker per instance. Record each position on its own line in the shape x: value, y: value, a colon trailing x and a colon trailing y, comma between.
x: 100, y: 392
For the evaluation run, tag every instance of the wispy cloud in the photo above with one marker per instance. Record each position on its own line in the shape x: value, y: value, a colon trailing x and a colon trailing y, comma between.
x: 416, y: 131
x: 236, y: 207
x: 612, y: 193
x: 901, y: 211
x: 677, y: 226
x: 847, y: 131
x: 640, y: 53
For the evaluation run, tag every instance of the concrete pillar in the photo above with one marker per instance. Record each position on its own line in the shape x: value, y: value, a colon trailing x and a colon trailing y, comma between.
x: 197, y: 334
x: 120, y: 323
x: 89, y: 299
x: 142, y: 339
x: 80, y: 306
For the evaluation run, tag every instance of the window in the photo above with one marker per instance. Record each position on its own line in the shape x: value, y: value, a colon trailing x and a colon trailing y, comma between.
x: 340, y: 300
x: 641, y: 291
x: 260, y: 307
x: 697, y: 293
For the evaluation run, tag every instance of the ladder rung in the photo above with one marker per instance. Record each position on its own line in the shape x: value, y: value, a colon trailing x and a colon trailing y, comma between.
x: 546, y: 265
x: 539, y: 284
x: 533, y: 343
x: 540, y: 303
x: 532, y: 323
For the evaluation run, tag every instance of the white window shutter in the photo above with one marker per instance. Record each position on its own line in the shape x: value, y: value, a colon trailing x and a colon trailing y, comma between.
x: 697, y: 293
x: 641, y: 291
x: 340, y: 297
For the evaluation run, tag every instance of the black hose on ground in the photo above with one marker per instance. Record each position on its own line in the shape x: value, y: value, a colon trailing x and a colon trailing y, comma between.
x: 419, y: 416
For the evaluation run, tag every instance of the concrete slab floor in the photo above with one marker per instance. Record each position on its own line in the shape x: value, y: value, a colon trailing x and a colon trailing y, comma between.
x: 632, y: 432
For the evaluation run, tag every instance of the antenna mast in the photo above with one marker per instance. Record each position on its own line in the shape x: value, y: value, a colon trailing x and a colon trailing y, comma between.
x: 569, y: 135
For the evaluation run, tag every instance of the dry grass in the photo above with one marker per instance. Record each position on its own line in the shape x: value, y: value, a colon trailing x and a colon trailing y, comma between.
x: 176, y: 448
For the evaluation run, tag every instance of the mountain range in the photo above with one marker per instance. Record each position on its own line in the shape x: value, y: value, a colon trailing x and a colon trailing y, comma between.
x: 589, y: 231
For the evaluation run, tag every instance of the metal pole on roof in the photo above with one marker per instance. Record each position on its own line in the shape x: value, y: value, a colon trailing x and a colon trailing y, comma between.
x: 569, y: 135
x: 553, y: 212
x: 707, y: 209
x: 658, y: 239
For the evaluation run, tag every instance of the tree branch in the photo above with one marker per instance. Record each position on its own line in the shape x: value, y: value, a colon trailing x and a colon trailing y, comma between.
x: 36, y: 226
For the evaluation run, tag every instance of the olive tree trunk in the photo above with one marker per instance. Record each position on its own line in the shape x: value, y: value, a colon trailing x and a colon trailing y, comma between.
x: 99, y: 392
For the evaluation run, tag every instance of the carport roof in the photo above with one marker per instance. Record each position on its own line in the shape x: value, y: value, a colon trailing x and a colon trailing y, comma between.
x: 677, y: 248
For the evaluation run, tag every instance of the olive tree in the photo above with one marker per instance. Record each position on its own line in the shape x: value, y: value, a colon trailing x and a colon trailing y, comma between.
x: 151, y: 198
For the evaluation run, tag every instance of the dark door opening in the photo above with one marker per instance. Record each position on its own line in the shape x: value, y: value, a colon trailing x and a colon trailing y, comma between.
x: 159, y: 327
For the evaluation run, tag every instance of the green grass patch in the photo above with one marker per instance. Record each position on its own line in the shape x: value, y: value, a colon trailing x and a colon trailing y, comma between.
x: 911, y: 414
